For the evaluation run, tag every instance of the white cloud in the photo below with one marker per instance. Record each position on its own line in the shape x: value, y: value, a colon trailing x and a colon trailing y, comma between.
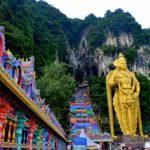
x: 140, y: 9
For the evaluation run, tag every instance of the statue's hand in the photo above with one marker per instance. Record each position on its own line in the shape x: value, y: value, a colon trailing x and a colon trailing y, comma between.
x: 116, y: 78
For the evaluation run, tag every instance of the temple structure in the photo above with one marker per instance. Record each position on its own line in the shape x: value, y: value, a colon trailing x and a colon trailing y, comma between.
x: 82, y: 118
x: 26, y: 121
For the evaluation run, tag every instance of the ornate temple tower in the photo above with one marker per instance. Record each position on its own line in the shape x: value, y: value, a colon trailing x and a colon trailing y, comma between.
x: 24, y: 115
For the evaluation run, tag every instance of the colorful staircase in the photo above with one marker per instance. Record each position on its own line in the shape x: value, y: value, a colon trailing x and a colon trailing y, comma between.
x: 82, y: 116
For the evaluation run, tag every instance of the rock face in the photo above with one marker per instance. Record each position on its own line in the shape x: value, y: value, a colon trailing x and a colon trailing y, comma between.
x: 99, y: 63
x: 142, y: 61
x: 80, y: 58
x: 123, y: 39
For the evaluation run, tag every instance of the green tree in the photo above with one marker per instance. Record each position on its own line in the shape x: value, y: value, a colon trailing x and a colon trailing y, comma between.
x: 57, y: 87
x: 108, y: 50
x: 130, y: 55
x: 145, y: 101
x: 99, y: 99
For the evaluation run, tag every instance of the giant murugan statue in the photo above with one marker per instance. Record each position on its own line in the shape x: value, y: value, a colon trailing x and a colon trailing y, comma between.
x: 126, y: 89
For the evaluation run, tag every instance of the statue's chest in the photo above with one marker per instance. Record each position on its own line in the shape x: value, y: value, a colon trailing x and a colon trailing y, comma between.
x: 125, y: 78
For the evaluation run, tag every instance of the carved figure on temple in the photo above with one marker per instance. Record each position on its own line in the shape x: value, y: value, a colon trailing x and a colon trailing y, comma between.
x: 38, y: 98
x: 125, y: 100
x: 47, y: 109
x: 42, y: 104
x: 35, y: 94
x: 24, y: 84
x: 16, y: 74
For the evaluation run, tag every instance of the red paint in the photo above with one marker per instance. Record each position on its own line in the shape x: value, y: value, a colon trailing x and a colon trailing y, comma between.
x: 49, y: 138
x: 4, y: 109
x: 32, y: 127
x: 56, y: 141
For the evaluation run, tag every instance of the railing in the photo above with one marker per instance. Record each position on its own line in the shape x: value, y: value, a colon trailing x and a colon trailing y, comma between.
x: 14, y: 145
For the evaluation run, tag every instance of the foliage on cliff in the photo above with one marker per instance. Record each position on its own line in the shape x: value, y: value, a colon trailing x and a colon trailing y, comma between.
x: 37, y: 28
x: 117, y: 22
x: 57, y: 87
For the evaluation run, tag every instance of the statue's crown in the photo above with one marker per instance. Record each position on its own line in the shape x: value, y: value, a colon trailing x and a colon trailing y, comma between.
x: 120, y: 55
x: 119, y: 59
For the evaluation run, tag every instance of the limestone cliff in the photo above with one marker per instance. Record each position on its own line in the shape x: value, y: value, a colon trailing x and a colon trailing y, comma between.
x: 97, y: 62
x: 123, y: 39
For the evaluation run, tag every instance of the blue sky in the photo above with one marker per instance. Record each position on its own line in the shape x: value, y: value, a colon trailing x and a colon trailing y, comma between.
x: 140, y: 9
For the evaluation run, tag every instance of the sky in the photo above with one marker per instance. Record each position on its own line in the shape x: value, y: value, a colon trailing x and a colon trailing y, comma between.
x: 140, y: 9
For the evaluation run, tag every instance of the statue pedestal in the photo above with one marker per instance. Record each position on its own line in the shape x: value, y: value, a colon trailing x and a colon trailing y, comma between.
x: 134, y: 142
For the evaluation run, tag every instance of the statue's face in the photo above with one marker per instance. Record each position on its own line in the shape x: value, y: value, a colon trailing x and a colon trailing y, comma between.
x: 122, y: 65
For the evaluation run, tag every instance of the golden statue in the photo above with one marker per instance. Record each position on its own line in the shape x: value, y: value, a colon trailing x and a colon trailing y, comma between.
x: 125, y: 100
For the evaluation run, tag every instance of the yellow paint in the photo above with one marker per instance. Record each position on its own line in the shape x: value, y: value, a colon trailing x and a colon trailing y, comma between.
x: 14, y: 132
x: 4, y: 128
x: 9, y: 131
